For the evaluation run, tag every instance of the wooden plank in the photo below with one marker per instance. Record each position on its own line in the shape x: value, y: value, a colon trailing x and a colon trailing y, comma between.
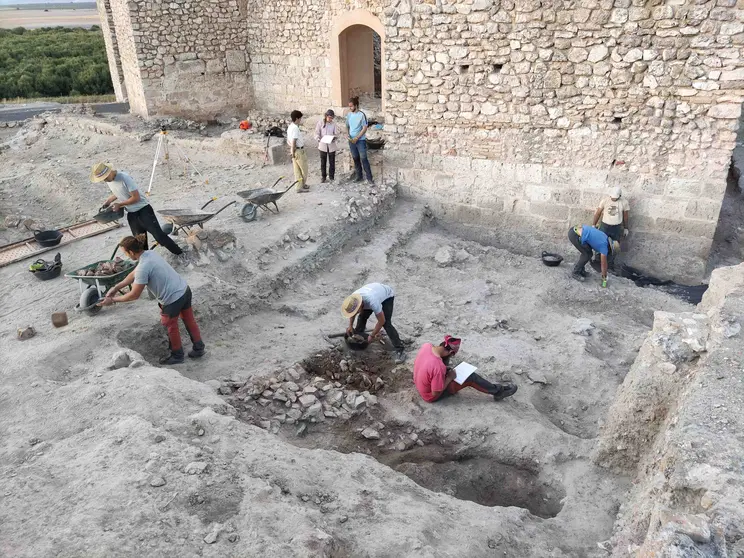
x: 29, y: 248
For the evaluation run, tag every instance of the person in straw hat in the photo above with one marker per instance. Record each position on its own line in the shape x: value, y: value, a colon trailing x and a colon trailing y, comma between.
x: 126, y: 194
x: 378, y: 299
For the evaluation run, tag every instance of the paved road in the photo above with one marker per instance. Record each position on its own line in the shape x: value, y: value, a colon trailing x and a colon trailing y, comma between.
x: 11, y: 113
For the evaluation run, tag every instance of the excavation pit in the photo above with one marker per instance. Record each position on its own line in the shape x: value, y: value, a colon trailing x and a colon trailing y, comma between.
x: 480, y: 479
x: 437, y: 466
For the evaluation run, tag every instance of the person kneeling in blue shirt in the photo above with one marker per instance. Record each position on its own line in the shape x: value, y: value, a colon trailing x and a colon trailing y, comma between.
x: 586, y: 239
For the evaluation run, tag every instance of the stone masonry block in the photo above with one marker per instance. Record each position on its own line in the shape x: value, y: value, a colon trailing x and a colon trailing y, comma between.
x: 278, y: 154
x: 657, y: 207
x: 538, y: 193
x: 714, y: 189
x: 215, y: 66
x: 568, y: 197
x: 580, y: 216
x: 687, y: 227
x: 591, y: 198
x: 504, y: 172
x: 529, y: 173
x: 641, y: 222
x: 456, y: 165
x: 555, y: 227
x: 683, y: 188
x: 235, y: 61
x: 550, y: 210
x: 482, y: 167
x: 560, y: 176
x: 707, y: 210
x: 195, y: 67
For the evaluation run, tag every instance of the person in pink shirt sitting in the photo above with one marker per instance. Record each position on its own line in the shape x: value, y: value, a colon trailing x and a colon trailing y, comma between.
x: 435, y: 380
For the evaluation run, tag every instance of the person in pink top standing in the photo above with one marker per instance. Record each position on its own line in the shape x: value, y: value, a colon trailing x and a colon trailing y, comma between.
x: 435, y: 380
x: 327, y: 128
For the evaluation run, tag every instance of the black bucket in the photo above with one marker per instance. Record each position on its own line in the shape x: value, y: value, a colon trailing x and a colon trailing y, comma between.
x: 551, y: 260
x: 48, y: 238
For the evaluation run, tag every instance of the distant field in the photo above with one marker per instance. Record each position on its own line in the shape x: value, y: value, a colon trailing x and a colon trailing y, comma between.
x: 53, y: 62
x: 36, y: 18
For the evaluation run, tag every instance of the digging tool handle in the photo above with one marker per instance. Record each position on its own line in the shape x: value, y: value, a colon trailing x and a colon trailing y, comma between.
x: 337, y: 335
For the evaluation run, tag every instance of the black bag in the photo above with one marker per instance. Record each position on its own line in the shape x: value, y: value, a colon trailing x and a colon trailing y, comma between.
x: 274, y: 131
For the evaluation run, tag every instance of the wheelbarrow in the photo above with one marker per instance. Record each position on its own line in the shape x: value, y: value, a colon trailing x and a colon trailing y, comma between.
x: 186, y: 219
x: 94, y: 287
x: 261, y: 197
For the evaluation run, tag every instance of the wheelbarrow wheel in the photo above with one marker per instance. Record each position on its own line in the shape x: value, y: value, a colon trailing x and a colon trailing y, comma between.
x: 248, y: 212
x: 88, y: 300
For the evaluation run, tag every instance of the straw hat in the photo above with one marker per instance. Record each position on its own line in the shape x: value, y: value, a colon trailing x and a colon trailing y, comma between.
x: 100, y: 172
x: 352, y: 305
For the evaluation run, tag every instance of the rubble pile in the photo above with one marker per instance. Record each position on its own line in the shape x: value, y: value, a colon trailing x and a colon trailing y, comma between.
x: 346, y: 391
x: 204, y: 244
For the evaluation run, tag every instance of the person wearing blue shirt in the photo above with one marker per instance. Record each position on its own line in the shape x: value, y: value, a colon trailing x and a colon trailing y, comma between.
x: 356, y: 124
x: 586, y: 239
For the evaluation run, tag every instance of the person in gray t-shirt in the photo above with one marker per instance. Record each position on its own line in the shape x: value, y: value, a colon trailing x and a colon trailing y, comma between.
x: 171, y: 290
x: 377, y: 299
x: 126, y: 195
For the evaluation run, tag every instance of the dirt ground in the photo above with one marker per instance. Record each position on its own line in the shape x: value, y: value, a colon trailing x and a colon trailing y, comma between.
x: 32, y: 19
x: 105, y: 454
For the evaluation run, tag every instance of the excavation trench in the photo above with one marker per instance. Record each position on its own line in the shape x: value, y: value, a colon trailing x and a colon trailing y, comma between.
x: 425, y: 456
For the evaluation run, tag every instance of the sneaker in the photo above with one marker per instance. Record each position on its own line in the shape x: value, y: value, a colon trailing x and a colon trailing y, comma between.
x: 583, y: 273
x: 370, y: 182
x: 358, y: 180
x: 196, y: 353
x: 578, y: 276
x: 400, y: 357
x: 172, y: 359
x: 322, y: 180
x: 507, y: 390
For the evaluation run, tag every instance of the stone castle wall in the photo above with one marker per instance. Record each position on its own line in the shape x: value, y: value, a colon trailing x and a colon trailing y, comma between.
x: 507, y: 115
x: 191, y: 56
x: 108, y: 29
x: 510, y: 115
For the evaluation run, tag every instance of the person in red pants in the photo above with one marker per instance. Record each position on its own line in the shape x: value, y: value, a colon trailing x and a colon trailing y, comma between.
x: 435, y: 380
x: 171, y: 290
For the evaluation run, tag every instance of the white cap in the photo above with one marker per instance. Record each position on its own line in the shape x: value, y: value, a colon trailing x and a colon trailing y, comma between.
x: 615, y: 192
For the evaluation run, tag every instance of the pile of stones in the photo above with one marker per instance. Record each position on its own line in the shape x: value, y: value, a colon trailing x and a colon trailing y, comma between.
x: 293, y: 397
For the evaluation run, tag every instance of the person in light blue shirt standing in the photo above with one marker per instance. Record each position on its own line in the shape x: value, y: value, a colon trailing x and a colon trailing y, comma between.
x: 586, y: 239
x: 356, y: 124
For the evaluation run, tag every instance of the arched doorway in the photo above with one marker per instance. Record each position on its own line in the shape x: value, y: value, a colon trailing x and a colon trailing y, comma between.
x: 357, y: 57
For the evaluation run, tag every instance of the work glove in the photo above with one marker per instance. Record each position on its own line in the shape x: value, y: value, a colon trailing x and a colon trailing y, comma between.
x: 604, y: 282
x: 625, y: 232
